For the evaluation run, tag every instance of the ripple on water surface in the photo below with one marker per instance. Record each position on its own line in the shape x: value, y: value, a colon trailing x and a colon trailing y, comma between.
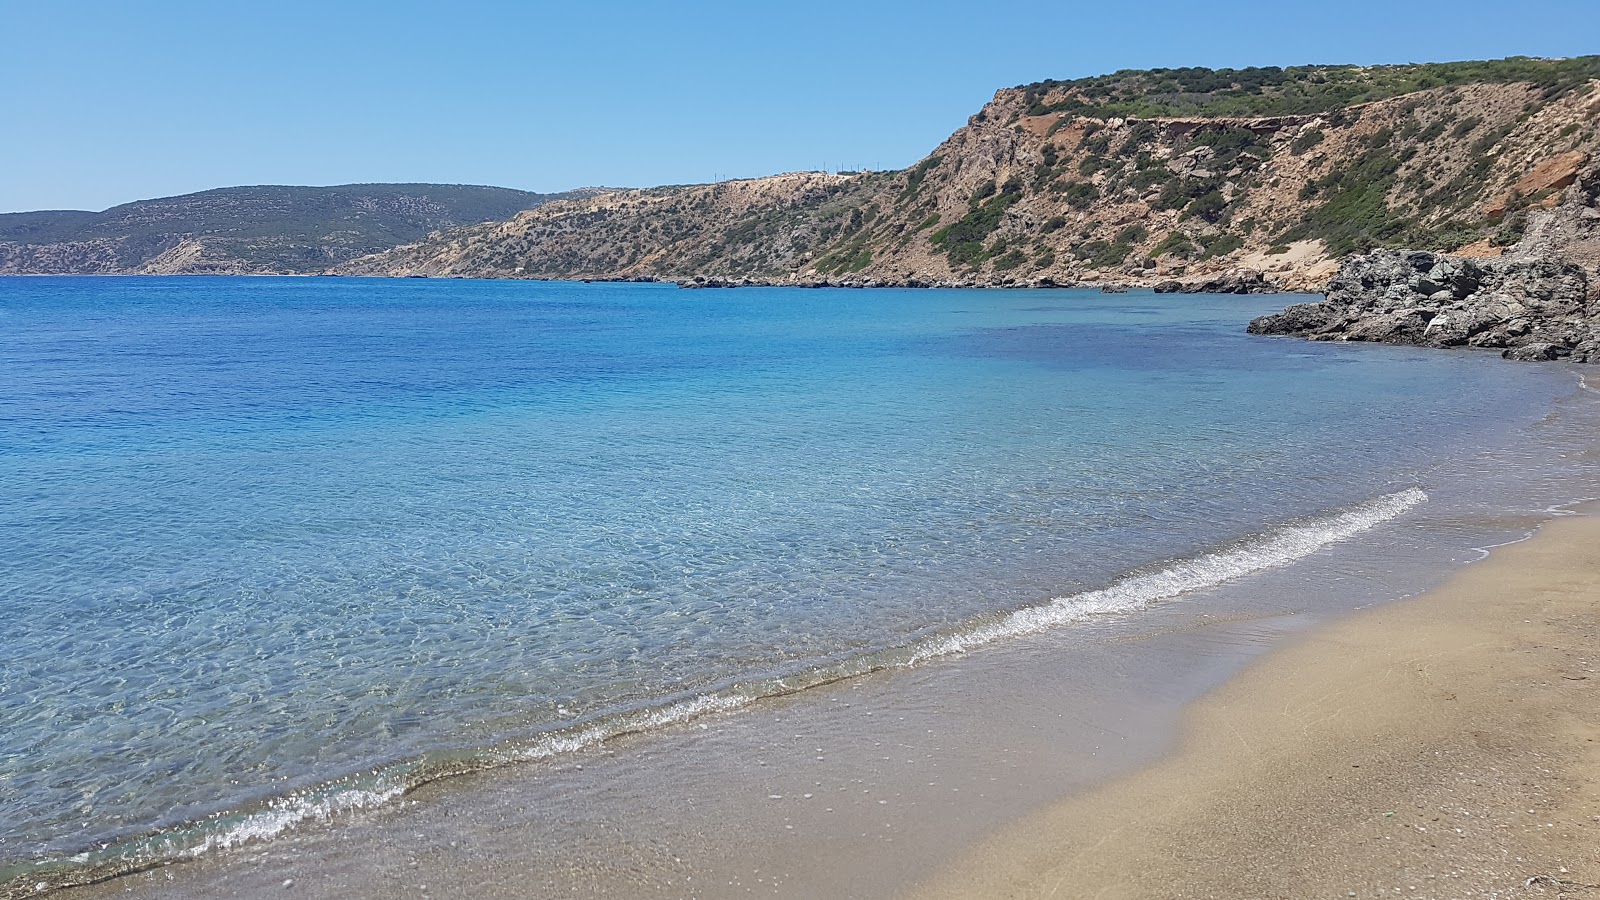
x: 266, y: 534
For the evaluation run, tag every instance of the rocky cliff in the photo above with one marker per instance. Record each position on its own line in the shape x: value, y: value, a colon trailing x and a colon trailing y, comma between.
x: 1184, y: 176
x: 1539, y: 300
x: 269, y: 229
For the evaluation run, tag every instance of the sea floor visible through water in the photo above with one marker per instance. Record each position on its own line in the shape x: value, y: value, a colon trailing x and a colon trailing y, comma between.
x: 789, y: 593
x: 859, y: 789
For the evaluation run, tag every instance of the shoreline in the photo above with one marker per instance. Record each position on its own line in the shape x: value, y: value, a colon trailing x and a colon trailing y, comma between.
x: 715, y: 283
x: 724, y: 808
x: 1445, y: 745
x: 984, y: 709
x: 1142, y: 591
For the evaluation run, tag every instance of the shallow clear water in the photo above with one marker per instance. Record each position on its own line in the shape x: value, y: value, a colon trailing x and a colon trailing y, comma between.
x: 260, y: 535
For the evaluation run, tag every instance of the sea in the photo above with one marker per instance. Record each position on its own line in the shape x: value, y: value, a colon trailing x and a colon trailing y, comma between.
x: 275, y: 550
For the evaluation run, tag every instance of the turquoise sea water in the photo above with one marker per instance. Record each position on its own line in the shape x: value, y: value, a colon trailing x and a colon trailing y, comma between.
x: 277, y: 547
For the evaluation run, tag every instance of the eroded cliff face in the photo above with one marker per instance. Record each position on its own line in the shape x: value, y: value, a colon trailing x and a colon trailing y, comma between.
x: 1017, y: 197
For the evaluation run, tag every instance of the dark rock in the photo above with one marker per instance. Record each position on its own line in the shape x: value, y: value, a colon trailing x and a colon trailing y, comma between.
x: 1530, y: 308
x: 1536, y: 351
x: 1239, y: 281
x: 713, y: 281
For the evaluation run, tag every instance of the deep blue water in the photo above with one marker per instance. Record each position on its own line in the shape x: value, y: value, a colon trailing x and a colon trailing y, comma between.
x: 262, y: 534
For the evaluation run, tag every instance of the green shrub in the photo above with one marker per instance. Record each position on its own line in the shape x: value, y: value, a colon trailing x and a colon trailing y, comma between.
x: 1177, y: 193
x: 1111, y: 255
x: 1142, y: 133
x: 1175, y: 243
x: 1354, y: 216
x: 1149, y: 178
x: 1227, y: 140
x: 1207, y: 207
x: 1294, y: 90
x: 1306, y: 140
x: 1132, y: 234
x: 1010, y: 261
x: 1220, y: 245
x: 1080, y: 194
x: 967, y: 253
x: 963, y: 239
x: 918, y: 173
x: 1277, y: 249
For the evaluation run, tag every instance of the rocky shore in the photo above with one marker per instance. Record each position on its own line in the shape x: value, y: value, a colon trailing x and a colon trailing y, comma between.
x: 1529, y: 308
x: 1239, y: 281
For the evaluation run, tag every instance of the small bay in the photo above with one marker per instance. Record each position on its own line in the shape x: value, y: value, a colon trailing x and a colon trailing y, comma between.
x: 266, y: 535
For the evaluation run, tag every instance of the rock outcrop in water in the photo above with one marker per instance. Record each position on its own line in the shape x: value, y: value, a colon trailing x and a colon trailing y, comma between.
x: 1530, y: 308
x: 1239, y: 281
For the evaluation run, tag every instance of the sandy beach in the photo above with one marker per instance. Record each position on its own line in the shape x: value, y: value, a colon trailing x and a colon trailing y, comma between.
x: 1443, y: 746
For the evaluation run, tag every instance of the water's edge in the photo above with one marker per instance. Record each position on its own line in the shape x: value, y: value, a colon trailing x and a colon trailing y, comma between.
x: 1134, y: 591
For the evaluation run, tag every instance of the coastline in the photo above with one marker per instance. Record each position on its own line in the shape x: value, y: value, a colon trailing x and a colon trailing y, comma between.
x: 998, y: 763
x: 717, y: 797
x: 1445, y: 745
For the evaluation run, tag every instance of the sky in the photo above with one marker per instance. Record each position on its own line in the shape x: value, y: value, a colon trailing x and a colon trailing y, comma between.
x: 108, y: 101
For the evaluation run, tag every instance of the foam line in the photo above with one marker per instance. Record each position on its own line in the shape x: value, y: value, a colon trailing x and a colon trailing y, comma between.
x: 1269, y: 550
x: 1139, y: 590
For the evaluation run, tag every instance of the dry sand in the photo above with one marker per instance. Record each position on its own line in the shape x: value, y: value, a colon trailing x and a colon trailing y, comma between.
x: 1443, y: 746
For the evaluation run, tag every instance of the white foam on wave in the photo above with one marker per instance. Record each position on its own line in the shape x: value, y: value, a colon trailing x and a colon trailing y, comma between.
x: 285, y: 814
x: 1275, y: 548
x: 644, y: 720
x: 1271, y: 549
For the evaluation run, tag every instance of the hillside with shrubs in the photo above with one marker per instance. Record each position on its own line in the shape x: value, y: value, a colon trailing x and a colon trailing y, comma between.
x: 1181, y: 176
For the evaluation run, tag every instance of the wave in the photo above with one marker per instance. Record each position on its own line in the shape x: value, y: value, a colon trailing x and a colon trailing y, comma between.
x: 1136, y: 591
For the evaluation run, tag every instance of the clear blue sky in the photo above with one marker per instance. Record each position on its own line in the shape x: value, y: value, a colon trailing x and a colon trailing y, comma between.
x: 107, y: 101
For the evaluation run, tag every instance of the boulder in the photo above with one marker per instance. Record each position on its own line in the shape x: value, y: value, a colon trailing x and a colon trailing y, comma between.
x: 1529, y: 308
x: 1238, y: 281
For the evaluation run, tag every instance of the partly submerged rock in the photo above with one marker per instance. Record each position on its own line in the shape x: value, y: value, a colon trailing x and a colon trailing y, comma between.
x: 1528, y: 308
x: 1239, y: 281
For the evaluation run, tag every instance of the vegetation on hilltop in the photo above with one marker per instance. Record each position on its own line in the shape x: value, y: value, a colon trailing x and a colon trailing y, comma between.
x: 1013, y: 199
x: 1295, y: 90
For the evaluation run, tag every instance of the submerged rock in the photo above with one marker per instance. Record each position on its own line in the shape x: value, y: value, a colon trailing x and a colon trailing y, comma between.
x: 1530, y: 308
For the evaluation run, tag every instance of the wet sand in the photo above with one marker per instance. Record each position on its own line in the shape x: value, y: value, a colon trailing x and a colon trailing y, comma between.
x: 1125, y: 758
x: 1444, y: 746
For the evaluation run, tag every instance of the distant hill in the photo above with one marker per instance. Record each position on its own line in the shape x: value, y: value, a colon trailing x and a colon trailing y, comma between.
x: 1192, y: 176
x: 266, y: 229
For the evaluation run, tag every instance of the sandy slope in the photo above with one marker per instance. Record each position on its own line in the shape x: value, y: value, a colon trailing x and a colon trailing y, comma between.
x: 1445, y: 746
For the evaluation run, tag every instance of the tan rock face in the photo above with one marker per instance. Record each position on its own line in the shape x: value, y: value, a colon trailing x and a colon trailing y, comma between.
x: 1479, y: 250
x: 1550, y: 175
x: 1039, y: 126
